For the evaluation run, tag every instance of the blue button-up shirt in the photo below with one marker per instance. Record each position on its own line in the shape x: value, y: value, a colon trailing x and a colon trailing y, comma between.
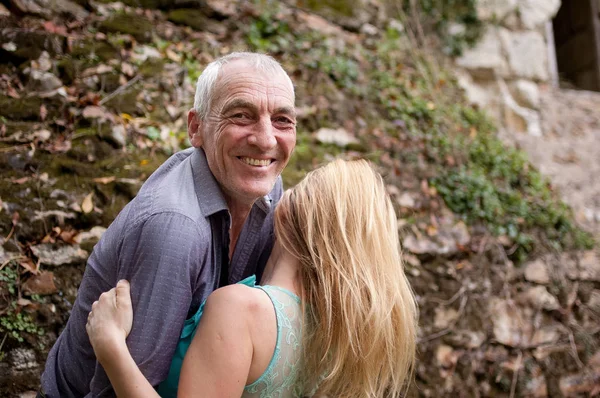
x: 171, y: 242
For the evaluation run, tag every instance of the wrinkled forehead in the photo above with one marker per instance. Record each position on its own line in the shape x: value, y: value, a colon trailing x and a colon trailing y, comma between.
x: 240, y: 73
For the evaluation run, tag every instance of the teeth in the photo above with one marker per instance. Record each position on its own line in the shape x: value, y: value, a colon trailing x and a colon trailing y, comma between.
x: 256, y: 162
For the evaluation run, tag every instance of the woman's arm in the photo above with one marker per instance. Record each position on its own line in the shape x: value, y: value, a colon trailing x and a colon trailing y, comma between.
x: 108, y: 325
x: 216, y: 365
x: 218, y: 361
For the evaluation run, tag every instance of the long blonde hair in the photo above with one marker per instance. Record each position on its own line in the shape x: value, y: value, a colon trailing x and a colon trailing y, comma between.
x: 360, y: 316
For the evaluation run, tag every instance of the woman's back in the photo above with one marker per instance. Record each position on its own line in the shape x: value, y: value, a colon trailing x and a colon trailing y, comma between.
x: 280, y: 378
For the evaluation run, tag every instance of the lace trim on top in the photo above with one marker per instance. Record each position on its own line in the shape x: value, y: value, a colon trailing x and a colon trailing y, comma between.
x: 279, y: 380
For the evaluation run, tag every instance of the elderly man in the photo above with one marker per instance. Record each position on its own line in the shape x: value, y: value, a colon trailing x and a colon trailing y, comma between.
x: 202, y: 220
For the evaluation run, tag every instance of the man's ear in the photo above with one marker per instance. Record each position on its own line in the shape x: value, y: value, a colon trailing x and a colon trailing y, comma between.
x: 195, y: 126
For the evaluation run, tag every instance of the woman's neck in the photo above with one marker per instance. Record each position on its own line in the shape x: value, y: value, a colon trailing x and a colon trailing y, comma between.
x: 282, y: 270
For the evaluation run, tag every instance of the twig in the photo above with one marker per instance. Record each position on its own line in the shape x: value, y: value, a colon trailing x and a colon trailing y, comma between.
x: 513, y: 385
x: 574, y: 349
x: 452, y: 299
x: 9, y: 260
x: 10, y: 234
x: 3, y: 340
x: 120, y: 89
x: 434, y: 336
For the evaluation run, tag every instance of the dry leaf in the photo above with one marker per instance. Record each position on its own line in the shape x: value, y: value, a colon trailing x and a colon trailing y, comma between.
x: 40, y: 284
x: 51, y: 27
x: 43, y: 112
x: 127, y: 69
x: 30, y: 266
x: 48, y: 239
x: 12, y: 92
x: 23, y: 302
x: 105, y: 180
x: 67, y: 236
x: 87, y: 205
x: 173, y: 56
x: 21, y: 180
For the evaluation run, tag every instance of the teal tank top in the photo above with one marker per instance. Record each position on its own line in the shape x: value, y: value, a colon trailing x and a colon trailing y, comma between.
x: 280, y: 378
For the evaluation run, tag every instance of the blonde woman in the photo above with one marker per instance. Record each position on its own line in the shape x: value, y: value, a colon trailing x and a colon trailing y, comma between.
x: 334, y: 316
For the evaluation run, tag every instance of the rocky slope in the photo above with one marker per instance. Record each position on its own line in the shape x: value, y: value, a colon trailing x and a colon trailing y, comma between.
x: 94, y: 96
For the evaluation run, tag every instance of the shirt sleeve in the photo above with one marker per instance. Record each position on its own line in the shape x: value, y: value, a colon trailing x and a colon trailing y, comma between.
x: 161, y: 259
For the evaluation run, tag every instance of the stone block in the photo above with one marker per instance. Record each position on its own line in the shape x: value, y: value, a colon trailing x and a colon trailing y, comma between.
x: 536, y: 12
x: 485, y: 60
x: 526, y: 52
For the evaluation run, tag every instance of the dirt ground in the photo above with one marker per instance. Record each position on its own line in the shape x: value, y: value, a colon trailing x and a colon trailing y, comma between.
x: 568, y: 152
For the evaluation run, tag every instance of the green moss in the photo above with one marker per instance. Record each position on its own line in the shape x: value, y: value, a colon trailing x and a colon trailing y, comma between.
x: 20, y: 127
x: 95, y: 50
x: 64, y: 165
x: 29, y: 108
x: 136, y: 25
x: 109, y: 82
x: 67, y: 70
x: 30, y: 44
x: 125, y: 102
x: 306, y: 156
x: 150, y: 4
x: 152, y: 67
x: 344, y: 8
x: 190, y: 17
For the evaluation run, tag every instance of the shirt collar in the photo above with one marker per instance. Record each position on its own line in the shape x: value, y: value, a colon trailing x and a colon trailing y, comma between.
x: 208, y: 191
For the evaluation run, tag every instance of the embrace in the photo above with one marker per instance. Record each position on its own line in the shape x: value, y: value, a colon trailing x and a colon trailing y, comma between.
x: 226, y: 286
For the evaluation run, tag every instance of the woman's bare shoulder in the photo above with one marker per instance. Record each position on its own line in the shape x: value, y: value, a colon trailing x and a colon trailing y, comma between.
x: 236, y: 299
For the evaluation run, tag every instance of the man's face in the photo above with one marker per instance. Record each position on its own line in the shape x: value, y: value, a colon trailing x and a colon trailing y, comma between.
x: 249, y: 133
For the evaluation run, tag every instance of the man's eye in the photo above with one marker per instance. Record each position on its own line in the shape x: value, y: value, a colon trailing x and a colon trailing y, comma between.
x: 238, y: 116
x: 283, y: 120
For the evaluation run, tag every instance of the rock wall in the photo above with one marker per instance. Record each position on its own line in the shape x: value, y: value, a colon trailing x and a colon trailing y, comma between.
x: 505, y: 71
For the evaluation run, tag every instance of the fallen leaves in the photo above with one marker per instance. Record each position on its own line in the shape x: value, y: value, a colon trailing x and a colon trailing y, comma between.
x: 87, y: 205
x: 105, y: 180
x: 40, y: 284
x: 43, y: 112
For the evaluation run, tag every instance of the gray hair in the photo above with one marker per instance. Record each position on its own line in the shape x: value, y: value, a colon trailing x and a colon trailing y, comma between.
x: 205, y: 88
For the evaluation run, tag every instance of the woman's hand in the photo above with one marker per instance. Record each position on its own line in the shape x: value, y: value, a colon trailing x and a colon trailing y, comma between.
x: 110, y: 321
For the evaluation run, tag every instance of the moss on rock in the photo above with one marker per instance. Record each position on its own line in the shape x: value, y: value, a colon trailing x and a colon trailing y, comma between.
x: 152, y: 67
x: 136, y: 25
x: 94, y: 49
x: 29, y: 108
x: 125, y: 102
x: 193, y: 18
x: 29, y: 45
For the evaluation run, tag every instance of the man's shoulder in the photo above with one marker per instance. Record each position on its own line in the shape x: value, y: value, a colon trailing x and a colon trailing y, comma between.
x: 170, y: 190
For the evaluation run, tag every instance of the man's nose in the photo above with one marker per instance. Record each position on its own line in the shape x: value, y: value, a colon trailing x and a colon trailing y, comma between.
x: 263, y: 135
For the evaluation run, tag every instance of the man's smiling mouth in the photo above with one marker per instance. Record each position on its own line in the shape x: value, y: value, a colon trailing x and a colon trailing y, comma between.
x: 256, y: 162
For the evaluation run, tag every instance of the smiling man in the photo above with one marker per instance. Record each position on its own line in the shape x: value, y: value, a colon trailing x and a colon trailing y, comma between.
x: 201, y: 221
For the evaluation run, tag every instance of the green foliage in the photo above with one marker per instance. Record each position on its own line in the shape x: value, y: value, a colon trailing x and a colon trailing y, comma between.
x: 16, y: 323
x: 343, y: 70
x: 9, y: 277
x: 494, y: 184
x: 13, y: 323
x: 193, y: 69
x: 267, y: 34
x: 446, y: 15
